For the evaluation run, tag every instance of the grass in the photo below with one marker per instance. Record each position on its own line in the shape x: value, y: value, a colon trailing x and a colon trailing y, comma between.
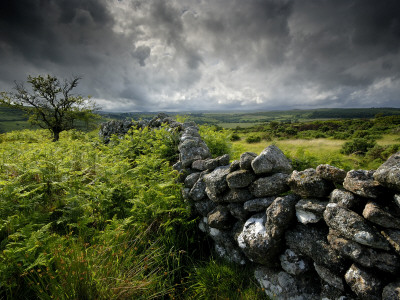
x: 318, y: 151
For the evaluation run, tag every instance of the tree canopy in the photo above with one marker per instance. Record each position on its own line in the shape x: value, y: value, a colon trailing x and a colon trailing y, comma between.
x: 50, y: 103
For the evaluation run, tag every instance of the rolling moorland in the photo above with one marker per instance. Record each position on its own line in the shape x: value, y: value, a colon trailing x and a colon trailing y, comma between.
x: 85, y: 220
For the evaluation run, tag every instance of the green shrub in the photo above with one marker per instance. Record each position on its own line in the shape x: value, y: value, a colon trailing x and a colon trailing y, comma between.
x: 235, y: 137
x: 253, y: 138
x: 217, y: 139
x: 357, y: 146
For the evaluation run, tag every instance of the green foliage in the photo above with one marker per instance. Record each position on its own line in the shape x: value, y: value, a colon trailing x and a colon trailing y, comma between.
x: 217, y: 139
x: 358, y: 146
x: 253, y: 138
x: 84, y: 220
x: 222, y: 280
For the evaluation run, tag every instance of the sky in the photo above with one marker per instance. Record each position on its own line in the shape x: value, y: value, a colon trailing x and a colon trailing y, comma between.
x: 187, y: 55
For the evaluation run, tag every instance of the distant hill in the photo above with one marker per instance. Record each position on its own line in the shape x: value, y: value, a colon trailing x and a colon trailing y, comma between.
x: 13, y: 119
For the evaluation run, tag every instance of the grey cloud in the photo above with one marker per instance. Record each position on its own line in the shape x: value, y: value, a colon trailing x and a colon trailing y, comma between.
x: 167, y: 54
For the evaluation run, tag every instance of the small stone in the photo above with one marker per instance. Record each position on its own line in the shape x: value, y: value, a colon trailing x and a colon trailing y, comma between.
x: 237, y: 195
x: 280, y: 214
x: 216, y: 180
x: 396, y: 199
x: 376, y: 214
x: 258, y: 205
x: 329, y: 277
x: 271, y: 160
x: 220, y: 218
x: 364, y: 284
x: 293, y: 264
x: 191, y: 179
x: 343, y: 198
x: 281, y: 285
x: 362, y: 183
x: 204, y: 207
x: 310, y: 210
x: 238, y: 211
x: 246, y: 159
x: 364, y: 256
x: 309, y: 185
x: 270, y: 186
x: 311, y: 242
x: 198, y: 191
x: 353, y: 226
x: 199, y: 165
x: 391, y: 291
x: 388, y: 174
x: 240, y: 179
x: 393, y: 237
x: 331, y: 173
x: 235, y: 165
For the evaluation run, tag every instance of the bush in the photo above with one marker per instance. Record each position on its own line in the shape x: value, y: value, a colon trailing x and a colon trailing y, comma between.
x: 357, y: 146
x: 253, y: 138
x: 235, y: 137
x: 217, y: 140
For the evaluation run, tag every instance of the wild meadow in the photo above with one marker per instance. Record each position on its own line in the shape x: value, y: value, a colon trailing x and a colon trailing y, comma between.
x: 344, y: 143
x: 85, y: 220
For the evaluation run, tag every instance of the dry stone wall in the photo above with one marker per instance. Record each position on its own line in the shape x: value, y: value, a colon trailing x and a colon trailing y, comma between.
x: 315, y: 234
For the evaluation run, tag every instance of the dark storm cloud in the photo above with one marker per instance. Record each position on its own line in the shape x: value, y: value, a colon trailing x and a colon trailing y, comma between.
x: 197, y: 54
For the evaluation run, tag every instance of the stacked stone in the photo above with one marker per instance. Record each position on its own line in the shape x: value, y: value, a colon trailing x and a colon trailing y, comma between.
x: 120, y: 128
x: 316, y: 234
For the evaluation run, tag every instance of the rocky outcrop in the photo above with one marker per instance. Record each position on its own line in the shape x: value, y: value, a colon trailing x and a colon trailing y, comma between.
x: 315, y: 234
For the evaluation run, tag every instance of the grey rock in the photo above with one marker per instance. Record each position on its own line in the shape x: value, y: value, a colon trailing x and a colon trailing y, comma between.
x: 271, y: 160
x: 192, y: 149
x: 309, y: 185
x: 363, y: 284
x: 191, y: 179
x: 311, y: 242
x: 310, y: 210
x: 262, y: 235
x: 237, y: 195
x: 329, y: 277
x: 280, y: 214
x: 375, y: 213
x: 396, y: 199
x: 388, y: 174
x: 223, y: 160
x: 211, y: 163
x: 254, y: 242
x: 185, y: 193
x: 329, y: 292
x: 199, y: 165
x: 178, y: 166
x: 238, y: 211
x: 283, y: 286
x: 246, y: 159
x: 353, y: 227
x: 220, y: 218
x: 225, y: 245
x: 216, y: 180
x: 235, y: 165
x: 204, y: 207
x: 362, y: 183
x: 270, y: 186
x: 331, y: 173
x: 240, y: 179
x: 198, y: 191
x: 391, y: 291
x: 258, y: 204
x: 393, y: 237
x: 364, y: 256
x: 214, y: 197
x: 293, y: 263
x: 344, y: 198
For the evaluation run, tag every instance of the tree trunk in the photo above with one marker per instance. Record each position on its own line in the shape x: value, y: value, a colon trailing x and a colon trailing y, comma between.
x: 56, y: 135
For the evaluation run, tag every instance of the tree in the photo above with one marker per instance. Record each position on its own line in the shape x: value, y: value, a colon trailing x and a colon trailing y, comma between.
x: 50, y: 103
